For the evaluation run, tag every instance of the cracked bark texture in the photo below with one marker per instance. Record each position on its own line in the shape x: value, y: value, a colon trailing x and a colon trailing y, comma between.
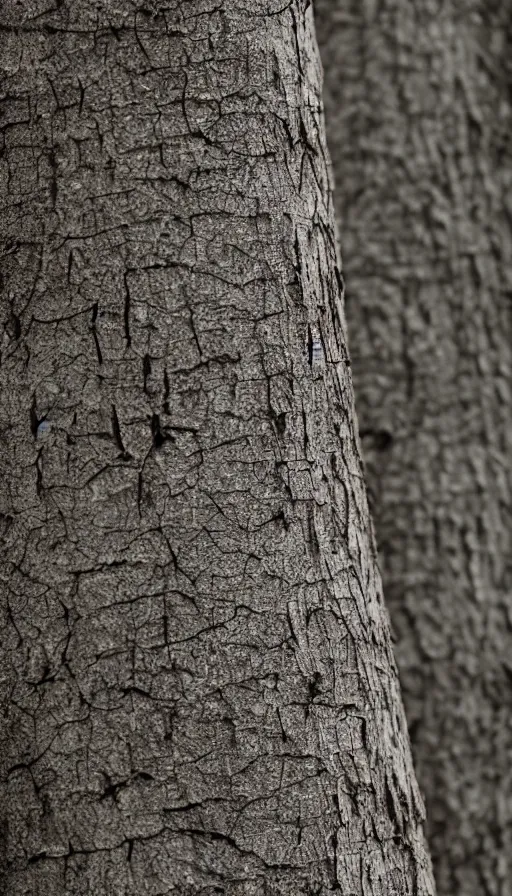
x: 418, y: 109
x: 196, y: 665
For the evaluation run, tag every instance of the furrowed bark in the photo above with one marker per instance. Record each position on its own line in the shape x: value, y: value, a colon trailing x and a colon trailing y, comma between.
x: 419, y: 113
x: 197, y: 670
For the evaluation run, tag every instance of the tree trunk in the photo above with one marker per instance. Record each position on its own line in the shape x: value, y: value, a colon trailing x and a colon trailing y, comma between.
x: 197, y: 667
x: 418, y: 108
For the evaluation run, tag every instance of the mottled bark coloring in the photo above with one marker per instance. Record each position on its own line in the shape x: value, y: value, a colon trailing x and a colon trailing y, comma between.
x: 197, y: 675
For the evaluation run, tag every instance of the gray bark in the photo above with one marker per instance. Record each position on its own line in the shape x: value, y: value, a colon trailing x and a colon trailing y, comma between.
x: 419, y: 113
x: 200, y: 692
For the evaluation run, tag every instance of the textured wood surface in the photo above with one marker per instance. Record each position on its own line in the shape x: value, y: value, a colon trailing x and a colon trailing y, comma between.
x: 198, y: 676
x: 418, y: 108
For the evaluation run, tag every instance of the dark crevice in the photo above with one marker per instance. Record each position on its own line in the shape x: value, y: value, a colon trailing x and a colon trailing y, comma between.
x: 159, y: 436
x: 283, y: 732
x: 313, y: 539
x: 314, y: 686
x: 310, y: 347
x: 39, y: 857
x: 39, y: 473
x: 146, y: 371
x: 16, y: 324
x: 281, y: 423
x: 116, y: 429
x: 34, y: 419
x: 306, y: 437
x: 127, y: 311
x: 95, y: 332
x: 166, y: 392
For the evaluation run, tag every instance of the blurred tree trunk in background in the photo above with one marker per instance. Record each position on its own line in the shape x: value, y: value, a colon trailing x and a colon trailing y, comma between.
x: 418, y: 109
x: 196, y: 664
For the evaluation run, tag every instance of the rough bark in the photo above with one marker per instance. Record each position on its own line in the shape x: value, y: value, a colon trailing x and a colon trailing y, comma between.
x: 197, y: 670
x: 418, y: 109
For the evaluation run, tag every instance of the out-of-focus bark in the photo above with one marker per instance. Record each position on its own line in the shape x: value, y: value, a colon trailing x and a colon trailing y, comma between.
x: 196, y: 662
x: 418, y: 109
